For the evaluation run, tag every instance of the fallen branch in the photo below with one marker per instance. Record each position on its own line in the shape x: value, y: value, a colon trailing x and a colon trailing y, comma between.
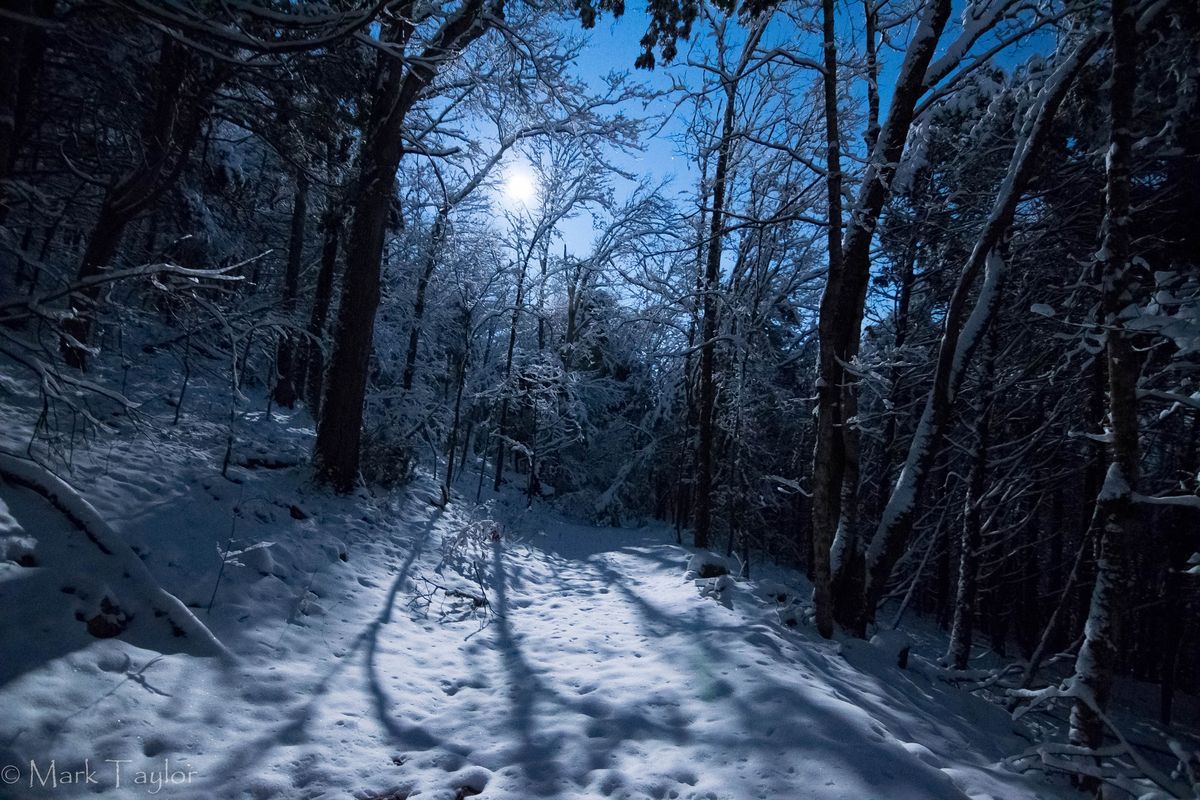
x: 1130, y: 775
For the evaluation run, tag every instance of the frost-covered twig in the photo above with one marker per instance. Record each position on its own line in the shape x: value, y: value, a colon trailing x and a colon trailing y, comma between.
x: 976, y: 679
x: 464, y: 553
x: 21, y: 307
x: 1056, y: 756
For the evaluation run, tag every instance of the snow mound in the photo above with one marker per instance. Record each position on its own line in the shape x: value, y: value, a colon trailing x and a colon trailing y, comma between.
x: 15, y: 545
x: 894, y: 645
x: 708, y: 565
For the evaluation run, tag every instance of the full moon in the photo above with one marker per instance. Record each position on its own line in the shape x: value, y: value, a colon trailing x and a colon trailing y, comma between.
x: 519, y: 186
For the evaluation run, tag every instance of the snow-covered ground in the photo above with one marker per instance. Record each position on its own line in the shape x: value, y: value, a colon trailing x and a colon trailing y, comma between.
x: 388, y: 648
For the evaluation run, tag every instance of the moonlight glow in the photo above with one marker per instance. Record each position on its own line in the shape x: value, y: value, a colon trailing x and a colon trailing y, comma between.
x: 519, y: 186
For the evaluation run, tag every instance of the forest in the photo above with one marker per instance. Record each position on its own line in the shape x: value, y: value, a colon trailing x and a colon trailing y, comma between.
x: 553, y: 398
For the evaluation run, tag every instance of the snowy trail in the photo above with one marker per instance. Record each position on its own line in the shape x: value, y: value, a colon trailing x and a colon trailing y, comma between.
x: 602, y: 673
x: 609, y: 676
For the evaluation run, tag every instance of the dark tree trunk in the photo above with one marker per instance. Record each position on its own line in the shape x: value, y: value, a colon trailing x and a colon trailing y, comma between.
x: 339, y: 432
x: 1055, y: 530
x: 1093, y: 479
x: 1174, y: 604
x: 101, y: 248
x: 414, y: 335
x: 286, y: 355
x: 709, y: 325
x: 834, y: 480
x: 1098, y: 655
x: 452, y: 443
x: 842, y: 308
x: 314, y: 362
x: 22, y: 53
x: 905, y: 279
x: 871, y: 34
x: 686, y: 479
x: 1028, y: 617
x: 13, y: 37
x: 502, y: 429
x: 959, y: 653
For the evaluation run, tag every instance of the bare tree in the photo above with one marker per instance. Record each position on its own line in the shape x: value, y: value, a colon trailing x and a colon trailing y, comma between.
x: 1094, y: 666
x: 400, y: 84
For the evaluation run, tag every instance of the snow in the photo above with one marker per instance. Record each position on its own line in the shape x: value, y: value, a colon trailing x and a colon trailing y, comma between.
x: 893, y: 644
x: 93, y: 547
x: 15, y: 545
x: 598, y: 663
x: 979, y: 318
x: 1115, y: 486
x: 704, y: 565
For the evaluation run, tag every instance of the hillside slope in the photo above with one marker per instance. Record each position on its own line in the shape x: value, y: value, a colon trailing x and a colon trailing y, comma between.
x: 394, y: 649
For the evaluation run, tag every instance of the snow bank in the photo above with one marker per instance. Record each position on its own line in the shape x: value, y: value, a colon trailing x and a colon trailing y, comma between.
x: 23, y: 472
x: 15, y: 544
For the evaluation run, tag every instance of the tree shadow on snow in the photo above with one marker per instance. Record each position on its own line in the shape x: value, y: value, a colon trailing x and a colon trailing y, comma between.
x: 247, y: 759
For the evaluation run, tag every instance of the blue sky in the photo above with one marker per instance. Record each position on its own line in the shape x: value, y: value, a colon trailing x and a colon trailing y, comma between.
x: 613, y: 45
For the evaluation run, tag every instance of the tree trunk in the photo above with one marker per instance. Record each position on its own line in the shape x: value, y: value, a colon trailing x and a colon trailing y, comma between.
x: 959, y: 653
x: 452, y: 443
x: 1096, y: 659
x: 314, y: 362
x: 896, y: 394
x: 871, y: 33
x: 101, y: 249
x: 13, y: 37
x: 1089, y: 490
x: 829, y: 474
x: 286, y: 358
x: 414, y: 335
x: 502, y: 429
x: 686, y: 479
x: 339, y: 432
x: 22, y: 53
x: 843, y: 305
x: 1174, y: 599
x: 702, y: 508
